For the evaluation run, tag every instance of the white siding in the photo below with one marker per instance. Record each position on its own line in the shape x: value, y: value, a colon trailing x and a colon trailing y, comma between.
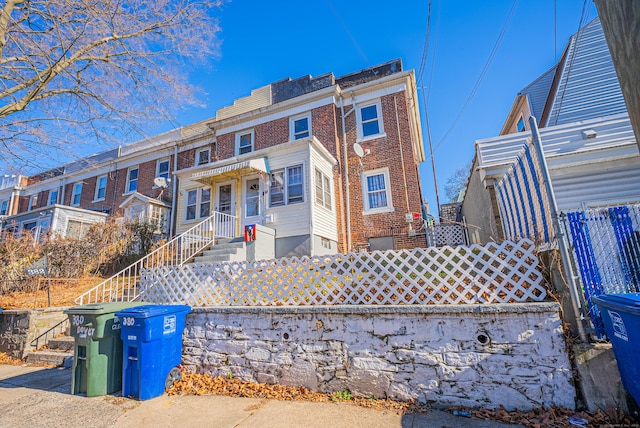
x: 588, y: 86
x: 292, y: 220
x: 325, y: 222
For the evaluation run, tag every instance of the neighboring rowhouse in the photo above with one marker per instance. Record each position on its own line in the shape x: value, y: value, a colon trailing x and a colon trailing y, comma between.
x: 587, y: 138
x: 330, y: 164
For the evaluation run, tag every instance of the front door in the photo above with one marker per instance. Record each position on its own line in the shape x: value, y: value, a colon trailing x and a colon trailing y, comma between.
x: 251, y: 200
x: 226, y: 206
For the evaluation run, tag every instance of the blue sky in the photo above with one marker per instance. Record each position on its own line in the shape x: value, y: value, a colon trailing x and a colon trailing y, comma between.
x: 263, y: 42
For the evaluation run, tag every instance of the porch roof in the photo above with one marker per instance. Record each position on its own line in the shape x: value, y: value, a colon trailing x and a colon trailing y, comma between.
x: 259, y: 164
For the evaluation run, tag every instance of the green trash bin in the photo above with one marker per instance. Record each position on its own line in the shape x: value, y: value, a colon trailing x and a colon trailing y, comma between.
x: 97, y: 358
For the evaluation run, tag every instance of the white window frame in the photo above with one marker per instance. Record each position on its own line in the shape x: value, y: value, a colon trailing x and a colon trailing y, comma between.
x: 292, y: 128
x: 365, y: 192
x: 360, y: 124
x: 524, y: 127
x: 285, y: 186
x: 198, y: 204
x: 4, y: 207
x: 323, y: 190
x: 127, y: 188
x: 239, y: 136
x: 162, y: 174
x: 53, y: 200
x: 77, y: 192
x: 197, y: 159
x: 33, y: 201
x: 96, y: 196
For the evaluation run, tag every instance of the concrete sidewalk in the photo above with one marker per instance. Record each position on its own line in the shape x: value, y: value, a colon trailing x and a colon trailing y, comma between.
x: 40, y: 397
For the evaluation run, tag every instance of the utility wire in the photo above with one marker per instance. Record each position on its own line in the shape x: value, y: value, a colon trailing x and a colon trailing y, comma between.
x: 481, y: 76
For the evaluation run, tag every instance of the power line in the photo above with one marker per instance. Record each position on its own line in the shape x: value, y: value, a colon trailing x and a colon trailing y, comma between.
x: 482, y: 75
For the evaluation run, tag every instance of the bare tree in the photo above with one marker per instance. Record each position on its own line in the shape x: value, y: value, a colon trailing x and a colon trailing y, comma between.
x: 77, y: 71
x: 457, y: 182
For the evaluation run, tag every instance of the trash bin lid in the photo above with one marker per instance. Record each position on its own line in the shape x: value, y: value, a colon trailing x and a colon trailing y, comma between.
x: 101, y: 308
x: 625, y: 302
x: 149, y: 311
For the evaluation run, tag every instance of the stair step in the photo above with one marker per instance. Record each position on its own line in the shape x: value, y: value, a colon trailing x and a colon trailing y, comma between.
x: 51, y: 357
x: 63, y: 343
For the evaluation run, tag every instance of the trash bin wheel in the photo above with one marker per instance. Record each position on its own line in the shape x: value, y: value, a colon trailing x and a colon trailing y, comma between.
x: 174, y: 375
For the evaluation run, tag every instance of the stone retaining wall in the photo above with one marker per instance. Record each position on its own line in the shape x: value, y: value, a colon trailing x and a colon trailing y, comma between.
x: 472, y: 355
x: 18, y: 327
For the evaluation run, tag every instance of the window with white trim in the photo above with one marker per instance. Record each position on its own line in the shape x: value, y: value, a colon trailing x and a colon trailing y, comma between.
x: 33, y: 202
x: 323, y: 190
x: 520, y: 125
x: 53, y: 196
x: 286, y: 186
x: 300, y: 127
x: 203, y: 156
x: 244, y: 142
x: 76, y: 194
x: 162, y: 168
x: 369, y: 120
x: 132, y: 180
x: 101, y: 188
x: 198, y: 203
x: 376, y: 191
x: 4, y: 208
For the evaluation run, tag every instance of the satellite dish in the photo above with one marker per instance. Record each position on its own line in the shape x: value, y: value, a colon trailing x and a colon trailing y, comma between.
x: 358, y: 149
x: 161, y: 182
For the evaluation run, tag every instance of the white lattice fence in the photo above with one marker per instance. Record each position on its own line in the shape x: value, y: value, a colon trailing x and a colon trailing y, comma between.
x: 505, y: 273
x: 440, y: 235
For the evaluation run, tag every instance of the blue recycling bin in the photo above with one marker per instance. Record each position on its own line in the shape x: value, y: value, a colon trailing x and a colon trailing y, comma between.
x: 621, y: 316
x: 152, y: 348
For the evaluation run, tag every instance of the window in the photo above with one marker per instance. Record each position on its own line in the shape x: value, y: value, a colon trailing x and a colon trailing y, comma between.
x: 77, y: 193
x: 369, y: 123
x: 244, y: 142
x: 286, y: 186
x: 53, y: 197
x: 162, y: 168
x: 376, y: 192
x: 521, y: 124
x: 323, y: 190
x: 132, y: 180
x: 77, y: 229
x: 33, y: 202
x: 198, y: 203
x: 202, y: 157
x: 300, y: 128
x: 4, y: 207
x: 101, y: 188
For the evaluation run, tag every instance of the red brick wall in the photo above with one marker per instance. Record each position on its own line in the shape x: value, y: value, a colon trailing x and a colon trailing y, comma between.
x: 385, y: 152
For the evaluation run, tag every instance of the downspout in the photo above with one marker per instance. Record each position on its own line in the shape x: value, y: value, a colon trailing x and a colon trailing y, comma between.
x: 174, y: 195
x: 346, y: 170
x: 564, y: 253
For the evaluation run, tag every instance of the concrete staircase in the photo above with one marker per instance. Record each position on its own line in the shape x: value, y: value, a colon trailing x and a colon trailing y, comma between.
x: 227, y: 250
x: 59, y: 352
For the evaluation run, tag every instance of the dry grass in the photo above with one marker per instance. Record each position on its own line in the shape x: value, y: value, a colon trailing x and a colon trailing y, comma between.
x: 62, y: 293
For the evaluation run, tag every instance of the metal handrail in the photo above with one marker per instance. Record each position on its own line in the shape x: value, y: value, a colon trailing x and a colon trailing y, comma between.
x: 124, y: 285
x: 34, y: 343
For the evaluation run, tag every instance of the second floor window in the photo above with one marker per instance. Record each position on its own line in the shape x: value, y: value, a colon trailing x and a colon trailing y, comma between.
x: 132, y: 180
x: 77, y: 194
x: 300, y: 128
x: 202, y: 157
x: 101, y: 188
x: 162, y: 168
x: 323, y: 190
x: 4, y: 207
x: 244, y: 142
x: 33, y: 202
x: 53, y: 197
x: 369, y: 123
